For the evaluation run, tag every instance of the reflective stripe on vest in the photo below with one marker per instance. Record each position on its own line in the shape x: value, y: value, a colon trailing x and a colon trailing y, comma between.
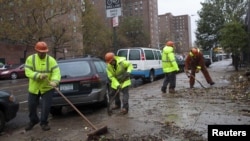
x: 47, y: 65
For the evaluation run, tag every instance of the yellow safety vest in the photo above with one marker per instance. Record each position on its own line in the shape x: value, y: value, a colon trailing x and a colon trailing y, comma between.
x: 116, y: 75
x: 34, y: 66
x: 169, y: 63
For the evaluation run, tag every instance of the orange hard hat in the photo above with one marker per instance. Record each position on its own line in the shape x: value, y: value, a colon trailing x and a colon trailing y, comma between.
x: 195, y: 51
x: 170, y: 43
x: 41, y: 47
x: 109, y: 57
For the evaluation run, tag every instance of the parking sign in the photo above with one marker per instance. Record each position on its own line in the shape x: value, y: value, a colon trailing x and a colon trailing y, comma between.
x: 113, y: 8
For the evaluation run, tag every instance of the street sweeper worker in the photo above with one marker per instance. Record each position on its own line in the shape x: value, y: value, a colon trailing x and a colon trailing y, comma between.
x: 44, y: 74
x: 118, y: 70
x: 195, y: 62
x: 170, y: 67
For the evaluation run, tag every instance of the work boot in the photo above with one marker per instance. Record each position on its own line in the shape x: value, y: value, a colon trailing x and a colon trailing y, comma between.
x: 30, y: 126
x: 124, y: 111
x: 172, y: 91
x: 116, y: 107
x: 45, y: 127
x: 212, y: 83
x: 163, y: 90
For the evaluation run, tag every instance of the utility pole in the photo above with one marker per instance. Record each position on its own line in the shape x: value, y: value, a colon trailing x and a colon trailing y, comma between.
x: 82, y: 23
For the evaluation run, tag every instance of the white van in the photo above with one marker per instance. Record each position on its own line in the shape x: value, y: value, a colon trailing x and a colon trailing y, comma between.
x: 146, y: 62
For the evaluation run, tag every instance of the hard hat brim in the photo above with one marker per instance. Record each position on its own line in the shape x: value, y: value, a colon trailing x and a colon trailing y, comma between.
x: 42, y: 51
x: 109, y: 61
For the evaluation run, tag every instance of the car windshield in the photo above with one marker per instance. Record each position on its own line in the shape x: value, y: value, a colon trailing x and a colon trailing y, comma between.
x: 74, y: 69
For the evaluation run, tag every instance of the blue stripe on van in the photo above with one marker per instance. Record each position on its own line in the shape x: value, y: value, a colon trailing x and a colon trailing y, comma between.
x: 145, y: 73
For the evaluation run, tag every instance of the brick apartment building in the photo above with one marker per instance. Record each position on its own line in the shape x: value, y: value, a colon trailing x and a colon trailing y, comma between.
x: 13, y: 54
x: 160, y: 28
x: 145, y: 9
x: 177, y: 29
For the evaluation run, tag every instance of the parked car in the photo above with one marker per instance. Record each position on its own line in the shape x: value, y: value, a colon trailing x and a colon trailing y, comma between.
x: 84, y: 81
x: 13, y: 72
x: 3, y: 67
x: 8, y: 108
x: 207, y: 60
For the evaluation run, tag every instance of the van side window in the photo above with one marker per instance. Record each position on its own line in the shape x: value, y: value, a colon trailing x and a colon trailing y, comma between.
x: 134, y: 55
x: 156, y: 55
x: 123, y: 53
x: 149, y: 55
x: 159, y: 54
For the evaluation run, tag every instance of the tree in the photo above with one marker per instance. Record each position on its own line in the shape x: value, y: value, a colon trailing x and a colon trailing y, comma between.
x: 210, y: 22
x: 233, y: 37
x: 213, y: 15
x: 131, y: 33
x: 96, y: 37
x: 32, y: 21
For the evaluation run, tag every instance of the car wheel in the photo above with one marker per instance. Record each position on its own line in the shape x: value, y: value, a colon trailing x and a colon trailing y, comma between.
x: 106, y: 97
x: 13, y: 75
x: 2, y: 121
x: 56, y: 111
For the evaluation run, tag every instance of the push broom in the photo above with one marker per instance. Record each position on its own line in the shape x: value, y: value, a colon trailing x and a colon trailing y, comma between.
x: 97, y: 131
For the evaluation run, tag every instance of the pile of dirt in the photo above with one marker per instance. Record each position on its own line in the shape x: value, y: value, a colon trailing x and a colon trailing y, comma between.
x: 240, y: 87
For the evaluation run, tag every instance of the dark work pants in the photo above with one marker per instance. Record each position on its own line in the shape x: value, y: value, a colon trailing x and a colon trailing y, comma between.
x: 125, y: 98
x: 205, y: 74
x: 33, y: 102
x: 170, y: 78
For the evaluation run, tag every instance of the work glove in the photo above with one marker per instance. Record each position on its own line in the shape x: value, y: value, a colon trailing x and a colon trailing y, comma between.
x: 197, y: 70
x: 43, y: 76
x: 118, y: 87
x: 127, y: 75
x: 53, y: 84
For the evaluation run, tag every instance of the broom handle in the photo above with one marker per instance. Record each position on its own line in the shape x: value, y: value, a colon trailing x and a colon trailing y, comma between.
x: 190, y: 75
x: 92, y: 125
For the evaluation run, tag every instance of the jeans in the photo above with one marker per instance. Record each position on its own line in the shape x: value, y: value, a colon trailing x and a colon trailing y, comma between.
x: 33, y: 102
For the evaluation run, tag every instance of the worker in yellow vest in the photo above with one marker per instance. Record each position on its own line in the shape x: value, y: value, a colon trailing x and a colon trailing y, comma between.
x: 118, y: 70
x: 170, y: 67
x: 44, y: 74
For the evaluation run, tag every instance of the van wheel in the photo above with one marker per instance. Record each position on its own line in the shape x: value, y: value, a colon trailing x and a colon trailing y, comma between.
x: 151, y: 76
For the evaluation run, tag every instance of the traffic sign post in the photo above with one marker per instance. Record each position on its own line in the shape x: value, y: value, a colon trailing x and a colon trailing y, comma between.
x: 113, y: 8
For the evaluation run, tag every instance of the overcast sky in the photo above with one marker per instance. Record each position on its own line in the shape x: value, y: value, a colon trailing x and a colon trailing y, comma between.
x: 181, y: 7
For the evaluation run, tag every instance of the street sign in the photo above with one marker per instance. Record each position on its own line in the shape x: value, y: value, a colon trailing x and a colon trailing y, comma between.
x: 115, y: 21
x: 113, y: 8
